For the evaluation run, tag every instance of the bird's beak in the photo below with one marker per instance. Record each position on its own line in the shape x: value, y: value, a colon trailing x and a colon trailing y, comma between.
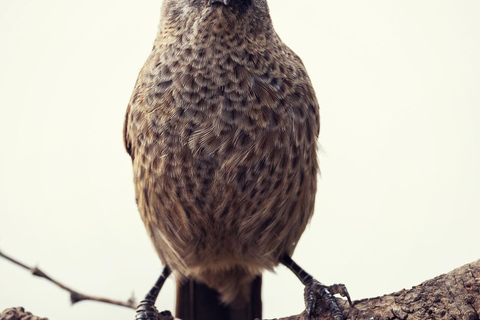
x: 225, y: 2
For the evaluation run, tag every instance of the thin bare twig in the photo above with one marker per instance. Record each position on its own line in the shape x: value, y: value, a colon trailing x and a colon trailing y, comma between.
x: 75, y: 296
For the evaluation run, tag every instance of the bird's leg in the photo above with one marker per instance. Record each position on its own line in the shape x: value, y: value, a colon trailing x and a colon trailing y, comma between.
x: 314, y: 291
x: 146, y: 309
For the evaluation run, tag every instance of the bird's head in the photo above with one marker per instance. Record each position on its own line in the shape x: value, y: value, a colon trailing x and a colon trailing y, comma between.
x: 206, y: 15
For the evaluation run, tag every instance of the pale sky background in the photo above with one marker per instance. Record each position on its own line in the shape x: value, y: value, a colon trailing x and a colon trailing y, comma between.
x: 399, y: 88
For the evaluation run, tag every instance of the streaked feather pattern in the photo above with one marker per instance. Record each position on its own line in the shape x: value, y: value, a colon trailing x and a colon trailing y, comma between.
x: 222, y: 128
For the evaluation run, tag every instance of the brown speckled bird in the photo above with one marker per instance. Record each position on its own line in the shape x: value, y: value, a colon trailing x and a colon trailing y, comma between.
x: 221, y: 128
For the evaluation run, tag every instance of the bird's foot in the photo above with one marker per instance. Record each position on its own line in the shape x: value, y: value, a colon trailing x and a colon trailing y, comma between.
x: 165, y: 315
x: 146, y: 310
x: 319, y: 297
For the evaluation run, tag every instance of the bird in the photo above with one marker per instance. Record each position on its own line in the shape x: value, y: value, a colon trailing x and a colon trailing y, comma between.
x: 222, y: 130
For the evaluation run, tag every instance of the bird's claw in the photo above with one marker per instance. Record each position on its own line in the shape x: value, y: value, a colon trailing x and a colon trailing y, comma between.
x: 341, y: 289
x: 316, y: 292
x: 146, y: 310
x: 165, y: 315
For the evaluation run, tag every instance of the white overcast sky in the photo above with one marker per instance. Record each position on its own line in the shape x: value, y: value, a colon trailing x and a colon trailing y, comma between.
x: 399, y: 88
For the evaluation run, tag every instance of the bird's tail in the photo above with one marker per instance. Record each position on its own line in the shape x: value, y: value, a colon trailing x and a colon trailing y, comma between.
x: 196, y: 301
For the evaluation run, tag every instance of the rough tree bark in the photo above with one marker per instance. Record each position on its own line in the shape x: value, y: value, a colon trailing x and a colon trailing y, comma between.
x: 452, y: 296
x: 455, y: 295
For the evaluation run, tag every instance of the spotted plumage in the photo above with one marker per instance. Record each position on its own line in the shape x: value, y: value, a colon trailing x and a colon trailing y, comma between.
x: 221, y: 128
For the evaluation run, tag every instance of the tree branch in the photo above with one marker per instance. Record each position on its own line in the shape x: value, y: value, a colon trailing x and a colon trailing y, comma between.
x: 18, y: 314
x: 75, y: 296
x: 455, y: 295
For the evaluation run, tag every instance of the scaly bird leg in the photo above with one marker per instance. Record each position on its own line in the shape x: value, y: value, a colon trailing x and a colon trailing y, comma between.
x: 314, y: 291
x: 146, y: 309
